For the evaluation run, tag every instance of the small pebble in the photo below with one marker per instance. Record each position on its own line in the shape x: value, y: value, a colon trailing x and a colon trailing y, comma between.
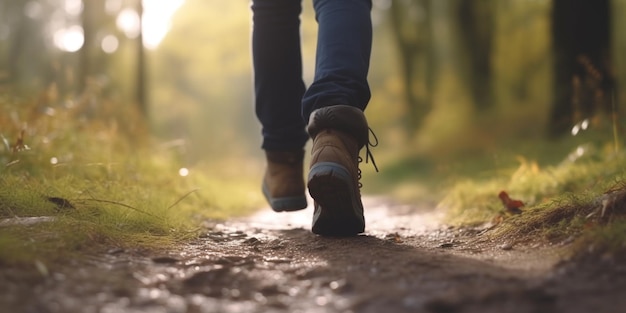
x: 506, y: 246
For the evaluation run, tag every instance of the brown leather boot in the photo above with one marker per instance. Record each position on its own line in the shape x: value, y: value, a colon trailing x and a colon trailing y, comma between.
x: 338, y: 133
x: 283, y: 183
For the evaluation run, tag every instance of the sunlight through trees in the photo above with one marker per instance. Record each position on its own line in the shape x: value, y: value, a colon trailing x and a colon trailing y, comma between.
x: 447, y: 76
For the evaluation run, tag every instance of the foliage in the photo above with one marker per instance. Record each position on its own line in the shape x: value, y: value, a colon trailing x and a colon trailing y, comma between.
x: 605, y: 240
x: 97, y: 154
x: 474, y: 201
x: 100, y: 181
x: 563, y: 184
x: 582, y: 196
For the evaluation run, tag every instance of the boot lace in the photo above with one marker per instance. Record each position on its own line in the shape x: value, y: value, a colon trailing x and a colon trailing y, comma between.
x: 368, y: 154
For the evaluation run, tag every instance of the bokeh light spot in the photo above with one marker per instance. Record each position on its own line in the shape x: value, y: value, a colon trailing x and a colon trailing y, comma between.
x: 109, y: 44
x: 73, y: 7
x: 183, y: 172
x: 128, y: 22
x: 69, y: 39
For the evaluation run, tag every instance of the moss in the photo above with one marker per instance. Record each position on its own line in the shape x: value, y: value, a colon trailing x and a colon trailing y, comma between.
x: 562, y: 202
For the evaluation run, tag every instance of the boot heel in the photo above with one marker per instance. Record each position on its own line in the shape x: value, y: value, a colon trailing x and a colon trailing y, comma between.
x: 337, y: 211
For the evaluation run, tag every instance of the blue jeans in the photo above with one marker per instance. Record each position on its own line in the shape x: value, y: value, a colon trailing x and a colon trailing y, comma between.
x: 282, y: 102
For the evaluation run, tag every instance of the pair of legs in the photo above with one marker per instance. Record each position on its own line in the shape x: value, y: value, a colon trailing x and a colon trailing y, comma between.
x: 284, y: 105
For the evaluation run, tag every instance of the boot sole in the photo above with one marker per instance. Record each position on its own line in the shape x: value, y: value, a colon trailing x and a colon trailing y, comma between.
x: 285, y: 204
x: 338, y: 209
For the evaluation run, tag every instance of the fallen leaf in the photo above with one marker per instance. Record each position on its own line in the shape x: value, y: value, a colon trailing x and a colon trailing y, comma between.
x: 61, y: 204
x: 511, y: 205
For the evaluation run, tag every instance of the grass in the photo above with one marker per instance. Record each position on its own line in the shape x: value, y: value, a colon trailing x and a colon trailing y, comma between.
x: 581, y: 198
x: 562, y: 183
x: 91, y: 167
x: 474, y: 201
x: 102, y: 181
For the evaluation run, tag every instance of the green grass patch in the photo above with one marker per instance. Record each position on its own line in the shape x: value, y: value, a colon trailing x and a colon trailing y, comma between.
x: 579, y: 198
x: 92, y: 178
x: 476, y: 201
x: 600, y: 240
x: 562, y: 184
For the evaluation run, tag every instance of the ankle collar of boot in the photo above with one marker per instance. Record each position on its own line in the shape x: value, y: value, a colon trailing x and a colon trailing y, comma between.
x: 344, y: 118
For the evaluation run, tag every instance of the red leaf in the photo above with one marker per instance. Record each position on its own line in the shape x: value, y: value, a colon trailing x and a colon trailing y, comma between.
x: 511, y: 205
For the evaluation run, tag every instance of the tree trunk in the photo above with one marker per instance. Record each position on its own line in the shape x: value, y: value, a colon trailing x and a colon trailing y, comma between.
x: 583, y: 82
x: 141, y: 96
x: 476, y: 23
x: 86, y: 52
x: 411, y: 30
x: 619, y: 54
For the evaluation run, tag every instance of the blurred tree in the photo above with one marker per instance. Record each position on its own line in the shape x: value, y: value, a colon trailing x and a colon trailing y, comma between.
x: 26, y: 62
x: 521, y: 69
x: 93, y: 61
x: 18, y: 34
x: 88, y: 19
x: 583, y: 82
x: 619, y: 51
x: 476, y: 23
x: 432, y: 35
x: 411, y: 25
x: 141, y: 95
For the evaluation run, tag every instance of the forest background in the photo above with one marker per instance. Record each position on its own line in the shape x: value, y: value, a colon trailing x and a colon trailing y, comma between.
x: 456, y: 83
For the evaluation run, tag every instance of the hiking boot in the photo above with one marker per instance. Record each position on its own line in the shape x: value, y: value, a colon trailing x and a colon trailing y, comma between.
x: 283, y: 183
x: 338, y: 132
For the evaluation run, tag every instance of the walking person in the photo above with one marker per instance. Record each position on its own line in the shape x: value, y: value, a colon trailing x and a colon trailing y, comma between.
x: 329, y: 111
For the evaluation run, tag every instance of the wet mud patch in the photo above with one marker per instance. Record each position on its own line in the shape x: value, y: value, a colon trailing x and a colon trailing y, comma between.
x: 406, y: 262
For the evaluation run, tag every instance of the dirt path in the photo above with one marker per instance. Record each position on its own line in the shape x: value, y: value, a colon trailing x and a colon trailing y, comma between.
x: 406, y: 262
